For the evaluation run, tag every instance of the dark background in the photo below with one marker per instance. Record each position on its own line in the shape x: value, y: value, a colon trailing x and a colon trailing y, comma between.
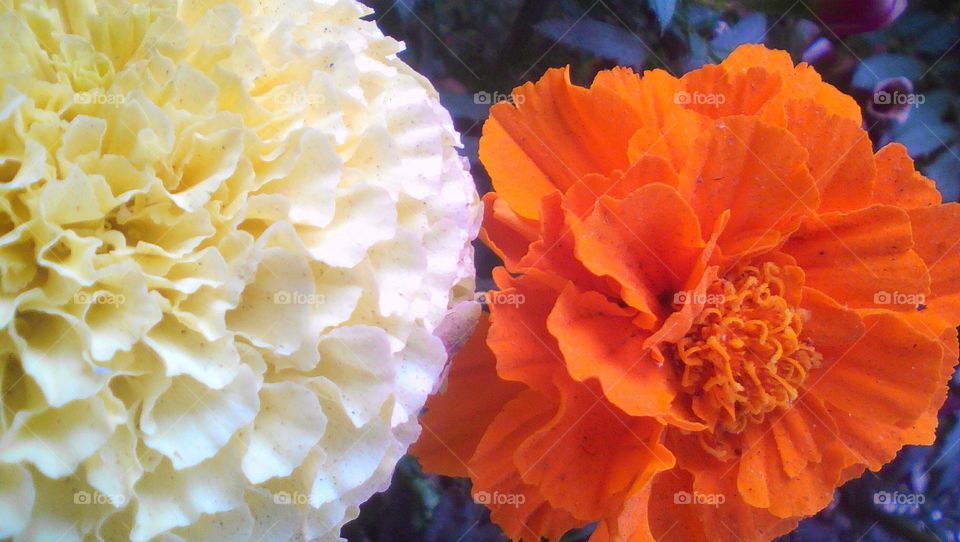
x: 476, y: 51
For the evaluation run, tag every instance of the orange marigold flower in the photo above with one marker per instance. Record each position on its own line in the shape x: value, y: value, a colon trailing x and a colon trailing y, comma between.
x: 718, y: 305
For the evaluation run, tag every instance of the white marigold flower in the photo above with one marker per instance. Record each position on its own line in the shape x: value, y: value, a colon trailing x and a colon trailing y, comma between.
x: 232, y: 234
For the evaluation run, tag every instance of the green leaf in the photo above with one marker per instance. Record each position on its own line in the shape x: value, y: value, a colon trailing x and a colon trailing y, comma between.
x: 749, y: 29
x: 886, y: 66
x: 925, y: 132
x: 664, y: 10
x: 597, y: 38
x: 945, y: 171
x: 927, y: 32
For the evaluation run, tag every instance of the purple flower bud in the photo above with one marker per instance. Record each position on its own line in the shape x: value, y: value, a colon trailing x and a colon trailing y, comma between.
x: 847, y: 17
x: 892, y: 99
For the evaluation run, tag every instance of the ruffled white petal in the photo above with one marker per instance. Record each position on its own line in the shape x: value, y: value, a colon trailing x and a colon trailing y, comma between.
x: 52, y: 352
x: 115, y: 468
x: 170, y: 498
x: 65, y: 509
x: 56, y: 440
x: 345, y: 459
x: 189, y: 422
x: 365, y: 216
x: 187, y: 352
x: 17, y: 495
x: 234, y: 525
x: 291, y: 422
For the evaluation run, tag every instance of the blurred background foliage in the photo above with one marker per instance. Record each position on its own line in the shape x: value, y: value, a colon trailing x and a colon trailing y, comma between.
x: 476, y: 51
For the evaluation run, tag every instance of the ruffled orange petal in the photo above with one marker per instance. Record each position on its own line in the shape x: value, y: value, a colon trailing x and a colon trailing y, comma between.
x: 506, y: 233
x: 713, y: 92
x: 766, y: 197
x: 652, y: 97
x: 525, y: 351
x: 553, y: 252
x: 923, y: 431
x: 830, y: 324
x: 790, y: 463
x: 807, y: 84
x: 734, y: 519
x: 666, y: 130
x: 873, y: 443
x: 676, y: 143
x: 599, y: 341
x: 590, y: 453
x: 646, y: 170
x: 517, y: 178
x: 898, y: 182
x: 649, y: 242
x: 651, y: 513
x: 870, y: 443
x: 936, y: 231
x: 840, y: 155
x: 518, y: 508
x: 799, y: 82
x: 799, y: 434
x: 894, y: 391
x: 634, y: 527
x: 835, y: 329
x: 863, y: 258
x: 748, y: 56
x: 446, y: 442
x: 555, y: 134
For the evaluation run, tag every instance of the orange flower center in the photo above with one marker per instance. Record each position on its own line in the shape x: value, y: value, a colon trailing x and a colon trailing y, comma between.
x: 743, y: 357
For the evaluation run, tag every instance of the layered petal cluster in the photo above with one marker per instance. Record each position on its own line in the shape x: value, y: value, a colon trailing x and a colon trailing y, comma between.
x: 231, y: 236
x: 718, y: 304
